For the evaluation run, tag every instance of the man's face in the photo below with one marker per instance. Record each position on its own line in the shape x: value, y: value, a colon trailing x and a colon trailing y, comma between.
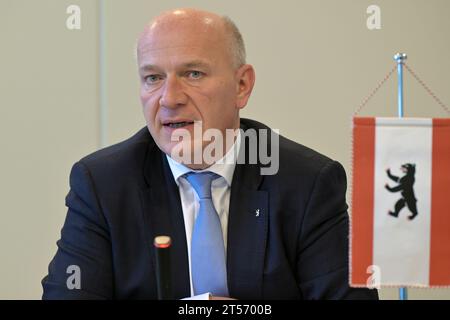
x: 186, y: 72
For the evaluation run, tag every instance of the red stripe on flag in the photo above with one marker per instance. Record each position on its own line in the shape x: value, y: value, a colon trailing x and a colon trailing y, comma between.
x: 362, y: 198
x: 440, y: 206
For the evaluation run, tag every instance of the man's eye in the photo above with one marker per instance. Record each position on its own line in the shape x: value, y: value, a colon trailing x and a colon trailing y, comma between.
x: 152, y: 79
x: 195, y: 74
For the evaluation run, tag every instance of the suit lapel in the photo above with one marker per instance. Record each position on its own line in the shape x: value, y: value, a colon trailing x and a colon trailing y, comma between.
x: 163, y: 215
x: 247, y: 233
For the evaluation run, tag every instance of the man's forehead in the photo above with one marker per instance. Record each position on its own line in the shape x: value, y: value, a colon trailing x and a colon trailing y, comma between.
x: 176, y: 43
x: 178, y: 36
x: 178, y: 52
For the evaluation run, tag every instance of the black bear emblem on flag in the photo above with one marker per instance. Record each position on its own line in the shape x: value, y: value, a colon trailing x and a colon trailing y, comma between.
x: 406, y: 187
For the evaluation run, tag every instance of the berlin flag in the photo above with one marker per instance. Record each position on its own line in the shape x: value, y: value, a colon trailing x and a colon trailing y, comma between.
x: 400, y: 218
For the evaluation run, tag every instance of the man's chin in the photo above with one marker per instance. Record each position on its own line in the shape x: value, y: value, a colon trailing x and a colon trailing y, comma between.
x: 186, y: 154
x: 179, y: 150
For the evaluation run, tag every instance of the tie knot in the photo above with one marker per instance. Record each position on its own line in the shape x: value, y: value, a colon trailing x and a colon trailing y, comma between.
x: 201, y: 182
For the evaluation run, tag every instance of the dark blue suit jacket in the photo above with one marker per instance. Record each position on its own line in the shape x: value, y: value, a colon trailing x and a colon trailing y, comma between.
x: 123, y: 196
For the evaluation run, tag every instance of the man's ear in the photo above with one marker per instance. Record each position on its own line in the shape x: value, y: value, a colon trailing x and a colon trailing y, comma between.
x: 245, y: 76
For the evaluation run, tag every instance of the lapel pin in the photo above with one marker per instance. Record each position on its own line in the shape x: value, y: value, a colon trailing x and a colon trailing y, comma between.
x: 257, y: 212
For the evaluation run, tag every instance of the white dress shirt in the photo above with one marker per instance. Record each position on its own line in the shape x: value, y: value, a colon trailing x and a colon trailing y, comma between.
x: 220, y: 192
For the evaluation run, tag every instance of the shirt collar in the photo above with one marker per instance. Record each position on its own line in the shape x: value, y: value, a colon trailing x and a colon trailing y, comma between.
x: 223, y: 167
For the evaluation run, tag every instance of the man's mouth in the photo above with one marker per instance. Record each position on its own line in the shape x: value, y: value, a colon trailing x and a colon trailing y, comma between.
x: 176, y: 125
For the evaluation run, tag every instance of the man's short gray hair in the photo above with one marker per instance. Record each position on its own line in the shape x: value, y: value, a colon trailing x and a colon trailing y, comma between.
x: 237, y: 42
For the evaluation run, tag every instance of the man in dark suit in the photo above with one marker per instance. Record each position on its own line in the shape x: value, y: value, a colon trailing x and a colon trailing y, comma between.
x: 281, y: 236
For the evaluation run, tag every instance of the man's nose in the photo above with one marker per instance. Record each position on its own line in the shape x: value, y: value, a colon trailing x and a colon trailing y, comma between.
x: 173, y: 95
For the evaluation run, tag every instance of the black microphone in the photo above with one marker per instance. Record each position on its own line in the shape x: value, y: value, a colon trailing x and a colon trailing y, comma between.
x: 162, y: 251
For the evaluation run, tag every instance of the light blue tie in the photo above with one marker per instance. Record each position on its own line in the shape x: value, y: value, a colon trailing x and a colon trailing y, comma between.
x: 208, y: 263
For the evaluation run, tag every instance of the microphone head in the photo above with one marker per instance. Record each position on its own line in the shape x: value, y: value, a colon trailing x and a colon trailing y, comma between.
x: 162, y: 242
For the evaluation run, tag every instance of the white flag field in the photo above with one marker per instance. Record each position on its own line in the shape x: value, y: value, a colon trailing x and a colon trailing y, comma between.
x: 400, y: 213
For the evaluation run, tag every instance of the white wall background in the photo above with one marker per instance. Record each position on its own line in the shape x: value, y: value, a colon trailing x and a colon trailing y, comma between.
x: 315, y: 62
